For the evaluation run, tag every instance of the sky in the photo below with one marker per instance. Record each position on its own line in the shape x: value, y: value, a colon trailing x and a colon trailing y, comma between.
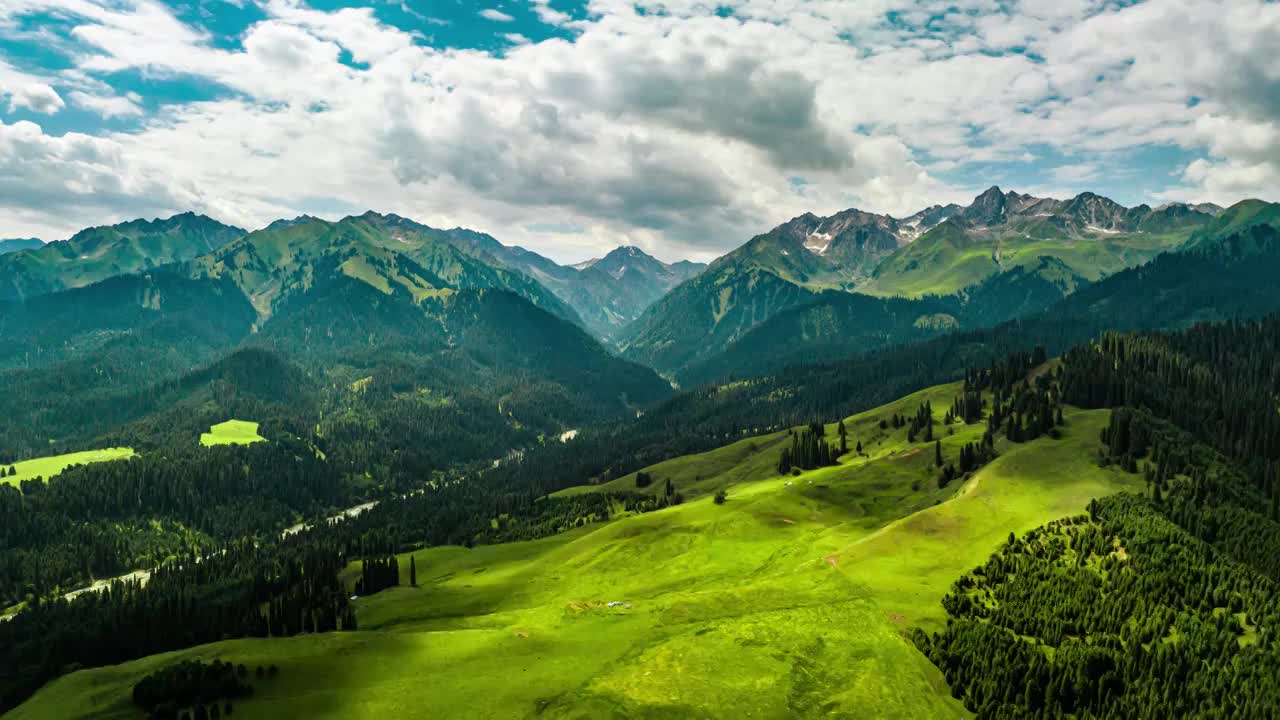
x: 570, y: 127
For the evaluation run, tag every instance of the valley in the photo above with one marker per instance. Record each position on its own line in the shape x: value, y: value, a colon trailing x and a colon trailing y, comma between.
x: 818, y: 623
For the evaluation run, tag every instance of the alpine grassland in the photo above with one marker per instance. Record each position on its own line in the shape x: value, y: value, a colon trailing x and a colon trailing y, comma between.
x: 791, y: 598
x: 232, y: 432
x: 47, y: 467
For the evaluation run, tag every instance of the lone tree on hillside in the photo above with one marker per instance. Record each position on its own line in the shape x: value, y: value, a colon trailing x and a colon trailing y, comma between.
x: 720, y: 497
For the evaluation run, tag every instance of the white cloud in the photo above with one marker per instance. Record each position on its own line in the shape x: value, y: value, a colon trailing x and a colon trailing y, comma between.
x: 108, y: 106
x: 678, y: 131
x: 548, y: 14
x: 495, y: 15
x: 36, y: 97
x: 50, y: 186
x: 27, y: 91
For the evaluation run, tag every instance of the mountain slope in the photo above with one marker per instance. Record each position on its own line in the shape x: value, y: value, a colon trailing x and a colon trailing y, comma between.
x: 98, y: 253
x: 1091, y: 235
x: 780, y: 269
x: 840, y: 324
x: 157, y: 314
x: 1234, y: 220
x: 73, y: 363
x: 553, y: 276
x: 386, y: 252
x: 706, y: 313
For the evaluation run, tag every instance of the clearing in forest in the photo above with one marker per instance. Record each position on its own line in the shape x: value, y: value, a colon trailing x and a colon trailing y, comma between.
x: 232, y: 432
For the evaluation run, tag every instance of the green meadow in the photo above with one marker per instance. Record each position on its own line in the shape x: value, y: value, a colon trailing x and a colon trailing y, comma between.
x: 792, y: 599
x: 47, y: 467
x: 232, y: 432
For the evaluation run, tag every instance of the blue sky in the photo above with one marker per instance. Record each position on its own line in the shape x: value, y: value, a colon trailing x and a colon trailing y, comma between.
x: 572, y: 126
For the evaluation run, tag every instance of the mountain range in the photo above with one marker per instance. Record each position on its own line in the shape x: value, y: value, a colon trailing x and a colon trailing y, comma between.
x: 1050, y: 246
x: 847, y: 282
x: 98, y: 253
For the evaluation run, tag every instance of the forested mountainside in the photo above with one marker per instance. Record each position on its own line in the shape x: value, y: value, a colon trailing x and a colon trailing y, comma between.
x: 476, y: 356
x: 837, y: 324
x: 1161, y: 602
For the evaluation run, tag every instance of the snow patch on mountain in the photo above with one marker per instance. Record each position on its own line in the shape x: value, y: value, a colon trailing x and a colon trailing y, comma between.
x: 818, y: 242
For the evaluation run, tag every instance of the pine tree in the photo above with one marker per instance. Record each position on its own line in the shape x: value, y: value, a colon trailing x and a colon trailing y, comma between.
x: 413, y: 572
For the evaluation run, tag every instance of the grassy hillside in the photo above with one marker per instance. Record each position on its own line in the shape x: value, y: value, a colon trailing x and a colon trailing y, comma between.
x: 792, y: 599
x: 946, y: 259
x: 47, y: 467
x: 232, y: 432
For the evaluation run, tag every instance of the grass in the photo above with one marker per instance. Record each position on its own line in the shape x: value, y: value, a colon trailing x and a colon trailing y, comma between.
x: 790, y: 600
x: 947, y: 263
x: 47, y: 467
x: 232, y: 432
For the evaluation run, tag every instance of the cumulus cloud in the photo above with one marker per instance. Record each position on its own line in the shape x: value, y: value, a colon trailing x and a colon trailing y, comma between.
x: 44, y: 179
x: 36, y: 97
x: 671, y: 127
x: 28, y: 92
x: 548, y: 14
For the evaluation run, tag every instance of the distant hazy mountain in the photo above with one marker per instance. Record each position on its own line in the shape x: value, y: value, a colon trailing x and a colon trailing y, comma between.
x: 546, y: 271
x: 614, y: 290
x: 16, y: 244
x: 940, y: 251
x: 607, y: 293
x: 100, y: 252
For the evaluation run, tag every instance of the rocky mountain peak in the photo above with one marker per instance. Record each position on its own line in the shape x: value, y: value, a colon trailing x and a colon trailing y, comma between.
x: 989, y: 208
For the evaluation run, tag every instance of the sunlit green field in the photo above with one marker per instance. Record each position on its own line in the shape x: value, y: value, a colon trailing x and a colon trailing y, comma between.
x: 943, y: 268
x: 47, y: 467
x: 232, y: 432
x: 792, y: 599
